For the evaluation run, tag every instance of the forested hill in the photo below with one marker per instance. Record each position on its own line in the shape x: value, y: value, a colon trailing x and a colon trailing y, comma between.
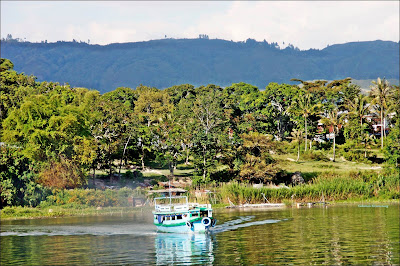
x: 168, y: 62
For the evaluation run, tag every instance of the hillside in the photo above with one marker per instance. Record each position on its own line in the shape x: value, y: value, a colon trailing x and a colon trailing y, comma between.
x: 167, y: 62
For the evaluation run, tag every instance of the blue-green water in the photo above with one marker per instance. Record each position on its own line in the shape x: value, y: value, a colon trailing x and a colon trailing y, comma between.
x: 340, y: 235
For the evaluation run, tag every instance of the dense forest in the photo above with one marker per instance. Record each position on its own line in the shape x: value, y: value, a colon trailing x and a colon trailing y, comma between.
x: 54, y: 135
x: 167, y: 62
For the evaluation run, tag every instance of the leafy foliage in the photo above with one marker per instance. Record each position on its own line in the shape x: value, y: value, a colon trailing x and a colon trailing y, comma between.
x: 52, y: 135
x: 18, y: 186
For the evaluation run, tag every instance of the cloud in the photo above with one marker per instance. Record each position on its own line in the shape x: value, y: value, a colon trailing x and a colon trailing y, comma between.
x: 306, y: 24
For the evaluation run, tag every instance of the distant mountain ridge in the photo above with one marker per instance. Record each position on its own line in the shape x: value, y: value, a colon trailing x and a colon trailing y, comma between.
x: 167, y: 62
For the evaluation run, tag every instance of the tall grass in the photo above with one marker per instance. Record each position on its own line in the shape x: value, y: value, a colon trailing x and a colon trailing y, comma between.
x: 329, y: 186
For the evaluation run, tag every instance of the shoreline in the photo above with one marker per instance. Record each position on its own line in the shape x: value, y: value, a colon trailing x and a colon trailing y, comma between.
x: 59, y: 211
x: 29, y: 213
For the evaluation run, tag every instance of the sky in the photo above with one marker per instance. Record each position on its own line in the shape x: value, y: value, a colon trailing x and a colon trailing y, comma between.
x: 304, y: 24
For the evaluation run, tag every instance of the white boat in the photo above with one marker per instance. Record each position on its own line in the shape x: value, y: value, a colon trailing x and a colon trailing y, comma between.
x: 175, y: 214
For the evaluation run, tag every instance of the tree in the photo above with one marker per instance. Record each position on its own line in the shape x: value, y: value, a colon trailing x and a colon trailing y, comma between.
x: 333, y: 121
x: 279, y: 97
x: 367, y: 140
x: 297, y: 136
x: 184, y: 119
x: 357, y: 108
x: 152, y: 108
x: 6, y: 64
x: 394, y: 104
x: 180, y: 92
x: 334, y: 92
x: 18, y: 186
x: 14, y: 87
x: 125, y: 99
x: 304, y: 105
x: 152, y: 105
x: 242, y: 104
x: 258, y: 165
x: 123, y: 95
x: 314, y: 87
x: 380, y: 93
x: 392, y: 147
x: 108, y: 128
x: 209, y: 118
x: 51, y: 129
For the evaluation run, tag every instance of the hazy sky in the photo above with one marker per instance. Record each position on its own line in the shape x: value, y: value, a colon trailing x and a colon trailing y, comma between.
x: 308, y: 24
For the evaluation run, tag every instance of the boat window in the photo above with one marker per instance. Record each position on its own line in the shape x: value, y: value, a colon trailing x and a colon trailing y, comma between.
x: 179, y: 217
x: 195, y: 214
x: 173, y: 217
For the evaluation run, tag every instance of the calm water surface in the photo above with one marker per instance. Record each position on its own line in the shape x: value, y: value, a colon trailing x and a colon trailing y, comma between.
x: 347, y: 235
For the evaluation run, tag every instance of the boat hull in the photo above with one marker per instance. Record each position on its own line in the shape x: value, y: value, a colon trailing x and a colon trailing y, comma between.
x: 195, y: 227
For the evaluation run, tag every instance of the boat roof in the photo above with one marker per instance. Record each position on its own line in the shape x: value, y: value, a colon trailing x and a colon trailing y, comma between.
x: 172, y: 190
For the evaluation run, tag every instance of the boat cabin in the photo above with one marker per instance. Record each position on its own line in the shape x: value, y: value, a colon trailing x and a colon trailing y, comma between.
x: 177, y: 208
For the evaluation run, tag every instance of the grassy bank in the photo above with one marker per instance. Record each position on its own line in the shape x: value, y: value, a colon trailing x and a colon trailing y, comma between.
x: 74, y: 202
x: 18, y: 212
x: 327, y: 186
x: 288, y: 163
x: 362, y: 186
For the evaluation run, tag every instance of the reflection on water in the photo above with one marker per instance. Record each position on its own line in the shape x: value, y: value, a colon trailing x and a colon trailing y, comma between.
x: 184, y: 249
x: 341, y: 235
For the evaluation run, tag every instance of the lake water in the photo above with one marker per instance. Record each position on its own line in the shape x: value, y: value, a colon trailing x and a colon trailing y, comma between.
x: 331, y: 235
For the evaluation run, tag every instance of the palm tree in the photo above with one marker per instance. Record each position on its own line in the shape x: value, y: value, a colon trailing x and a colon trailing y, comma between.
x: 358, y: 107
x: 367, y: 140
x: 297, y: 135
x: 394, y: 101
x: 304, y: 105
x: 333, y: 120
x: 380, y: 93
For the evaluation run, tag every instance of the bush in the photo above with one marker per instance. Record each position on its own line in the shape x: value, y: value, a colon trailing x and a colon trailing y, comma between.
x: 224, y: 175
x: 315, y: 156
x: 18, y: 185
x: 91, y: 197
x: 8, y: 210
x: 356, y: 156
x: 62, y: 174
x: 16, y: 211
x: 354, y: 152
x: 198, y: 180
x: 133, y: 175
x: 289, y: 147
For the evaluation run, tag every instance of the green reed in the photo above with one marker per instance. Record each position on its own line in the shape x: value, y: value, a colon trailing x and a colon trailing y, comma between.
x: 328, y: 186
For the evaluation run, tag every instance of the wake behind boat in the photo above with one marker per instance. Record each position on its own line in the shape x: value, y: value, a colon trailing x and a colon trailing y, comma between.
x: 175, y: 214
